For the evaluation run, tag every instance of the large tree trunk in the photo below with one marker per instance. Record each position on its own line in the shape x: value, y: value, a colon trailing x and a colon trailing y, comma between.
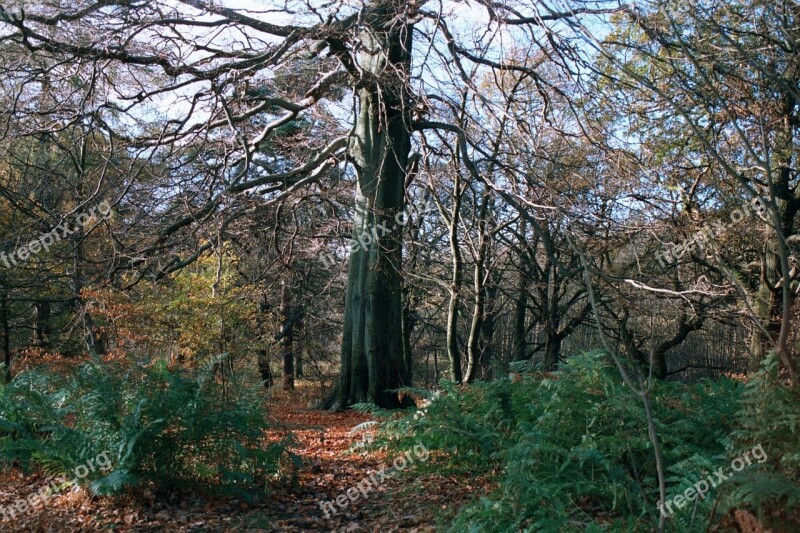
x: 372, y: 345
x: 768, y: 301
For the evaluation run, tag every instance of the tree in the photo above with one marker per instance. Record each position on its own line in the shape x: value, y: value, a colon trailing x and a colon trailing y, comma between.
x: 725, y: 79
x: 228, y: 106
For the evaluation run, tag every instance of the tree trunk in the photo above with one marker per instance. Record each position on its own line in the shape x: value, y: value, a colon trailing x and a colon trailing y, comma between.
x: 4, y: 320
x: 768, y: 301
x: 298, y: 362
x: 287, y: 355
x: 660, y: 364
x: 486, y: 343
x: 552, y: 350
x: 41, y: 323
x: 455, y: 283
x: 519, y: 348
x: 479, y: 285
x: 774, y: 298
x: 372, y: 361
x: 409, y: 321
x: 263, y: 367
x: 262, y: 354
x: 94, y: 341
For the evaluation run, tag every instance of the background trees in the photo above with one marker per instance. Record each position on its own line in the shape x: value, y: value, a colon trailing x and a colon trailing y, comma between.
x: 286, y: 145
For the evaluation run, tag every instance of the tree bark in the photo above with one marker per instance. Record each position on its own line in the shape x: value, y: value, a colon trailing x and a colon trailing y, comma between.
x: 372, y: 360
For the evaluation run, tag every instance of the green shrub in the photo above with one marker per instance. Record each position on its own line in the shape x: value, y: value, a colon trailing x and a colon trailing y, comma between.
x: 170, y: 427
x: 770, y: 417
x: 570, y: 450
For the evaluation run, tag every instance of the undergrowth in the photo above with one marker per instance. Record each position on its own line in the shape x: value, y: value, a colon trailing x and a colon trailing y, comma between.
x: 173, y: 428
x: 570, y: 450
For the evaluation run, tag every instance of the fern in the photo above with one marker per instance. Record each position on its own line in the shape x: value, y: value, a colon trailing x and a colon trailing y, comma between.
x: 173, y: 428
x: 758, y: 489
x: 570, y: 449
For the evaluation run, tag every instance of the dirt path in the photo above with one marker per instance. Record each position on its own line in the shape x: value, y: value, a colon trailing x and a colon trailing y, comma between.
x: 330, y: 466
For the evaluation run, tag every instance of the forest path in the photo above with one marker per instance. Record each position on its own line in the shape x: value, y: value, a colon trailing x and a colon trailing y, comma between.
x: 334, y: 463
x: 331, y: 464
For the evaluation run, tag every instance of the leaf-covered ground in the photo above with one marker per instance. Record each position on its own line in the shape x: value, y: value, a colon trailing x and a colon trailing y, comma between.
x: 331, y: 463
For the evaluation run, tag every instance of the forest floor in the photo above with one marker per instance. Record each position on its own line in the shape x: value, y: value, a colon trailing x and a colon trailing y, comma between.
x: 331, y: 464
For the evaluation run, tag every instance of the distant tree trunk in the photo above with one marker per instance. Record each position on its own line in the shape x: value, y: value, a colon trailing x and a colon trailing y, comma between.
x: 298, y: 362
x: 455, y: 282
x: 658, y: 351
x: 486, y: 343
x: 263, y: 367
x: 41, y: 323
x: 262, y: 353
x: 519, y: 346
x: 552, y: 350
x: 372, y: 361
x: 287, y: 333
x: 409, y: 303
x: 4, y: 321
x: 428, y: 369
x: 479, y: 285
x: 94, y: 342
x: 409, y: 321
